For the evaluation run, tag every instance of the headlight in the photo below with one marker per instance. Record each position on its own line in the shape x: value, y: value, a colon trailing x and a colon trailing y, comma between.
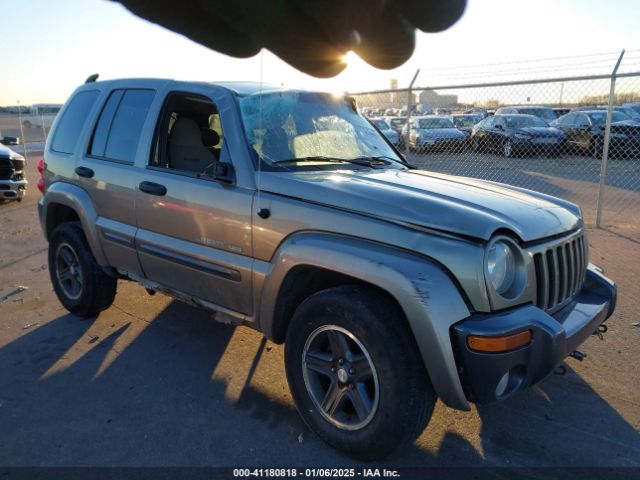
x: 501, y: 267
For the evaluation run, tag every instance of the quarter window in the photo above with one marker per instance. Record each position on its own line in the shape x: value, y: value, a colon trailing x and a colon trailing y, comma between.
x: 72, y: 121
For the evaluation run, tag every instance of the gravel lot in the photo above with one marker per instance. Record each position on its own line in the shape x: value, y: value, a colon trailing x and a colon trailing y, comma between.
x: 153, y: 382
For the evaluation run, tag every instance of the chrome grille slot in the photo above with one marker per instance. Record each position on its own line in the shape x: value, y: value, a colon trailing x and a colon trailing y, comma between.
x: 560, y: 271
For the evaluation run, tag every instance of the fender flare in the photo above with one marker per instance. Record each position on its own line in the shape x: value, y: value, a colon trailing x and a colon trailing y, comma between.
x: 428, y: 297
x: 74, y: 197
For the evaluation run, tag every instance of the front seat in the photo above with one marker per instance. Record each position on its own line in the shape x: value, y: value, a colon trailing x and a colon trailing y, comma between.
x: 186, y: 149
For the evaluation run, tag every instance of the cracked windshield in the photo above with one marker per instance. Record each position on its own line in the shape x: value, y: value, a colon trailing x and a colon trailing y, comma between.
x: 289, y: 128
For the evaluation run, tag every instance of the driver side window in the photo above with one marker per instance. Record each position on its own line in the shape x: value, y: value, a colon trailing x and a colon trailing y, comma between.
x: 188, y: 136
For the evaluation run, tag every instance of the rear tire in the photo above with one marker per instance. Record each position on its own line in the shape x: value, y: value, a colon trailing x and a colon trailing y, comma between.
x: 396, y: 386
x: 81, y: 285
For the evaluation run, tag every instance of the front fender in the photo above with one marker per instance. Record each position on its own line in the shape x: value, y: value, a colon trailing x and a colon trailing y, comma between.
x: 72, y: 196
x: 428, y: 297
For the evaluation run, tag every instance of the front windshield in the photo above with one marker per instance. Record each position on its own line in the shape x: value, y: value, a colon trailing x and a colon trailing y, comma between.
x: 600, y: 118
x: 466, y: 120
x: 434, y: 123
x: 290, y: 125
x: 525, y: 121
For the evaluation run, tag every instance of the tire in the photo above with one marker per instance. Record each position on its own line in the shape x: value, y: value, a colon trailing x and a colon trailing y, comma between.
x: 401, y: 397
x: 81, y: 285
x: 476, y: 146
x: 26, y: 124
x: 507, y: 149
x: 596, y: 147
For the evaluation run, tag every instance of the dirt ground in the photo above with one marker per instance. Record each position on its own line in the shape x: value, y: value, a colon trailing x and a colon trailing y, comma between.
x: 153, y: 382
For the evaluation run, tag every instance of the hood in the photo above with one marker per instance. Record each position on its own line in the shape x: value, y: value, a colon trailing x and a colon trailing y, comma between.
x: 441, y: 133
x: 6, y: 152
x: 542, y: 131
x: 454, y: 204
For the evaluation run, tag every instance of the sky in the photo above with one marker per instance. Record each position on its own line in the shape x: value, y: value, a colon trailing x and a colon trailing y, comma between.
x: 50, y: 47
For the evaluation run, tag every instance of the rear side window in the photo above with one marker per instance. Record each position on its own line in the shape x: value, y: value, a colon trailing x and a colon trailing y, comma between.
x: 118, y: 130
x: 72, y: 121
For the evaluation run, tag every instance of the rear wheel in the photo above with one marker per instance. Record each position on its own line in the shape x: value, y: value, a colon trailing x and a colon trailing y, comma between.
x: 26, y: 124
x: 80, y: 283
x: 355, y: 373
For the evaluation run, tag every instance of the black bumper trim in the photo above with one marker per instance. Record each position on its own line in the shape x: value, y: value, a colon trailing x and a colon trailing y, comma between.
x: 553, y: 338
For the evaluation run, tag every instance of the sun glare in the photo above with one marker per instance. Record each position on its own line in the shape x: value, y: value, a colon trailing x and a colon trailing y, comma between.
x: 349, y: 57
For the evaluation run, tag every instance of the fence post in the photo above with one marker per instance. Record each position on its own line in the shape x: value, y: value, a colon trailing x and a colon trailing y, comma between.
x: 409, y: 108
x: 605, y: 146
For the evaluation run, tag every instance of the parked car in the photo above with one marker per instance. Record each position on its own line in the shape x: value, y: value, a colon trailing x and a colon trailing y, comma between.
x: 397, y: 124
x: 390, y: 286
x: 545, y: 113
x: 512, y: 134
x: 432, y: 132
x: 585, y: 131
x: 13, y: 183
x: 386, y: 130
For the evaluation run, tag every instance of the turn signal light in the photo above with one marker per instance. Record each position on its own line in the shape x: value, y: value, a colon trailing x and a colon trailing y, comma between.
x: 499, y: 344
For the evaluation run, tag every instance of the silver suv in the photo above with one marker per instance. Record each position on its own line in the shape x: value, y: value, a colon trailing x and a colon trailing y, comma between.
x: 288, y: 212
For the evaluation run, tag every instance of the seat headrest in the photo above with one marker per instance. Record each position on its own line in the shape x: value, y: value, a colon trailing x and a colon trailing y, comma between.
x: 210, y: 138
x: 186, y: 132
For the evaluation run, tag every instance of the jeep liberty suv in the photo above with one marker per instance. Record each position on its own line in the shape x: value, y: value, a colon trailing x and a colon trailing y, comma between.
x: 287, y: 211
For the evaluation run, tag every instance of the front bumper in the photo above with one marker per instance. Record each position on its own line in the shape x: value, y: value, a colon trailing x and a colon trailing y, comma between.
x: 553, y: 338
x: 13, y: 189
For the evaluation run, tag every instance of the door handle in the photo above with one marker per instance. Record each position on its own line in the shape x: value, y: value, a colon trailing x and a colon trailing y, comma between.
x: 85, y: 172
x: 153, y: 188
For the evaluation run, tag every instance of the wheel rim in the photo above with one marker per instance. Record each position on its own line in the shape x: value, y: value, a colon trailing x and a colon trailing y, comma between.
x: 340, y: 377
x: 507, y: 149
x: 68, y: 271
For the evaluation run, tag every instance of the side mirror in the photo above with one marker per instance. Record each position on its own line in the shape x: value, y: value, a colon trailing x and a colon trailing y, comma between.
x: 224, y: 173
x: 499, y: 127
x: 584, y: 126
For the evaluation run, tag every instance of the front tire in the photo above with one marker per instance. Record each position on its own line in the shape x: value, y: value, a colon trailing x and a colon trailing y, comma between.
x: 507, y: 149
x: 355, y: 372
x: 80, y: 283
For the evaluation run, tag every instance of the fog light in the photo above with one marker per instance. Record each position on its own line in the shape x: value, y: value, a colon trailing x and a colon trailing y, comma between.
x: 502, y: 385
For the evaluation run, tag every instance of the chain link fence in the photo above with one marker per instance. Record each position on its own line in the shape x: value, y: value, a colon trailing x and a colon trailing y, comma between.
x: 574, y: 137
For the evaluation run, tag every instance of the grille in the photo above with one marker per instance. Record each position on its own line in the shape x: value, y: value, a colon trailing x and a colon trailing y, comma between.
x: 560, y: 272
x: 6, y: 169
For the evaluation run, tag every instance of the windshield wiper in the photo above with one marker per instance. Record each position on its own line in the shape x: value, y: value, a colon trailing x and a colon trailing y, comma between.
x: 315, y: 158
x: 363, y: 161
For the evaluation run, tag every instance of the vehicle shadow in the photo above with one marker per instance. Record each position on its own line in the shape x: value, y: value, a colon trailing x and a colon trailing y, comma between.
x: 182, y: 390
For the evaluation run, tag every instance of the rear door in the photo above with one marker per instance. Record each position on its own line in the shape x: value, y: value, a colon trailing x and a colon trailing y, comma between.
x: 106, y: 172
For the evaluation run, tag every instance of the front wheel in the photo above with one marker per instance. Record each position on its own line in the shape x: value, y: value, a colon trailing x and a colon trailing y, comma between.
x: 507, y: 149
x: 80, y: 283
x: 355, y: 373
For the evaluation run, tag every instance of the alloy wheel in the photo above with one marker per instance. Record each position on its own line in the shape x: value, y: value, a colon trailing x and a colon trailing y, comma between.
x: 340, y: 377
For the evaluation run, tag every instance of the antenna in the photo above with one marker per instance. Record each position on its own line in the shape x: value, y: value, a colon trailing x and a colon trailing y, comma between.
x: 262, y: 212
x: 92, y: 78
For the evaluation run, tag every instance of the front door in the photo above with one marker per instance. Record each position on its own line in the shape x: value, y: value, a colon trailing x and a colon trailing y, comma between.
x: 194, y: 233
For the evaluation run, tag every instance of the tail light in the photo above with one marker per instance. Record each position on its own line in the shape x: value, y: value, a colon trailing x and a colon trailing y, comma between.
x: 41, y: 168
